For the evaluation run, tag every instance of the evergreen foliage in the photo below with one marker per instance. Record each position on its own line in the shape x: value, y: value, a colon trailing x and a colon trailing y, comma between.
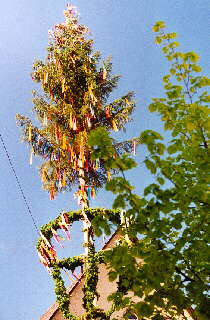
x: 76, y: 87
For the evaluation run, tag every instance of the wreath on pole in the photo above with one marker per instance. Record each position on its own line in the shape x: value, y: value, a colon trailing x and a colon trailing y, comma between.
x: 48, y: 257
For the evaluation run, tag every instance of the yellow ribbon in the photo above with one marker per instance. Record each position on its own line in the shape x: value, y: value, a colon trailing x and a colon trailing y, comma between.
x: 114, y: 126
x: 104, y: 74
x: 64, y: 146
x: 29, y: 133
x: 109, y: 175
x: 64, y: 179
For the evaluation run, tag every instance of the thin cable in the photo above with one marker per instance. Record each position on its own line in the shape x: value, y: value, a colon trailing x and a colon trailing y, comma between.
x: 19, y: 184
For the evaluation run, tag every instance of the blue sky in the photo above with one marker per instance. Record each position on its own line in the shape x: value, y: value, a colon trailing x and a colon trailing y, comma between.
x: 120, y: 28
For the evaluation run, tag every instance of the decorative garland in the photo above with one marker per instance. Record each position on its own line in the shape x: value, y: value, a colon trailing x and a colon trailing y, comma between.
x: 91, y: 280
x: 48, y: 257
x: 62, y: 297
x: 95, y: 215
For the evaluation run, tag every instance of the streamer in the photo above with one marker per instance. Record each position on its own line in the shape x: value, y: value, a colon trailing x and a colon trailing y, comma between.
x: 134, y: 147
x: 97, y: 164
x: 64, y: 219
x: 108, y: 175
x: 39, y: 141
x: 64, y: 179
x: 64, y: 146
x: 45, y: 122
x: 115, y: 128
x: 59, y: 155
x: 52, y: 95
x: 31, y: 156
x: 107, y: 112
x: 74, y: 126
x: 45, y: 78
x: 52, y: 193
x: 57, y: 133
x: 104, y: 74
x: 70, y: 152
x: 45, y: 240
x: 92, y: 111
x: 88, y: 121
x: 60, y: 183
x: 57, y: 237
x: 43, y: 260
x: 89, y: 193
x: 92, y: 193
x: 64, y: 226
x: 63, y: 80
x: 30, y: 133
x: 44, y: 175
x: 86, y: 165
x: 70, y: 121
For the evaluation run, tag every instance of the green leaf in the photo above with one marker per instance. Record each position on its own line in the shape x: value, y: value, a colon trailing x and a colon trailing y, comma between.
x: 172, y: 148
x: 152, y: 107
x: 166, y: 78
x: 192, y: 56
x: 158, y: 40
x: 158, y: 26
x: 143, y: 309
x: 160, y: 180
x: 150, y: 165
x: 196, y: 68
x: 112, y: 276
x: 119, y: 202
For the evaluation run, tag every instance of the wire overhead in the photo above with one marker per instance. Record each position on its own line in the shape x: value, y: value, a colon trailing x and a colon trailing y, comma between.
x: 19, y: 184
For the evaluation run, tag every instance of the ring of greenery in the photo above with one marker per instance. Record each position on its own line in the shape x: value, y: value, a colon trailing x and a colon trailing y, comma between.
x: 101, y: 220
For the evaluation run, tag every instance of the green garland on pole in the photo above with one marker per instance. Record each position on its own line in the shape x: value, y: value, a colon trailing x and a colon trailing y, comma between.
x: 99, y: 218
x: 90, y: 286
x: 62, y: 297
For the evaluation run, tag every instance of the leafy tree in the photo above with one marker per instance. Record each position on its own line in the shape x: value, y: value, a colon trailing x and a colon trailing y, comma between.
x: 163, y: 256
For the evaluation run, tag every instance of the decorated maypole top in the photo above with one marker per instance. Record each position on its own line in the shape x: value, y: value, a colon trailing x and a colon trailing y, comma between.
x: 74, y: 101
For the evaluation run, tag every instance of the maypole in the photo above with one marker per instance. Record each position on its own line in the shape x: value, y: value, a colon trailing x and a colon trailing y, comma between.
x: 75, y: 91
